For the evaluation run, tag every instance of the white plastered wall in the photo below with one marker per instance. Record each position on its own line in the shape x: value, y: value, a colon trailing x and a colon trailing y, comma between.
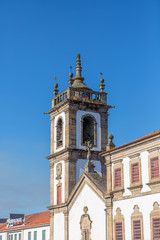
x: 4, y: 236
x: 79, y: 116
x: 62, y: 182
x: 62, y: 115
x: 145, y: 204
x: 96, y: 210
x: 58, y: 226
x: 39, y: 232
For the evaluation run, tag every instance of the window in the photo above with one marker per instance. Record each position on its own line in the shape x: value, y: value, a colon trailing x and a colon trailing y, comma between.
x: 135, y: 172
x: 89, y: 130
x: 156, y: 228
x: 29, y: 235
x: 154, y: 167
x: 19, y: 236
x: 0, y: 237
x: 35, y: 235
x: 43, y: 234
x: 59, y: 190
x: 117, y: 177
x: 137, y: 230
x: 12, y: 237
x: 59, y: 132
x: 15, y: 237
x: 118, y: 231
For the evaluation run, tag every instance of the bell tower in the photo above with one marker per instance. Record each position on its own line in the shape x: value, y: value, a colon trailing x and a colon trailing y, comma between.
x: 78, y: 114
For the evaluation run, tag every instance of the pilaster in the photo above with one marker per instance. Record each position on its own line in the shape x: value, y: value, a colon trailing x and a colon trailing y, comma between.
x: 52, y: 224
x: 66, y: 225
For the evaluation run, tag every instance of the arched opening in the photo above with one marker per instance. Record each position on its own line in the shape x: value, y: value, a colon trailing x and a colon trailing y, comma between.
x: 89, y: 130
x: 59, y: 133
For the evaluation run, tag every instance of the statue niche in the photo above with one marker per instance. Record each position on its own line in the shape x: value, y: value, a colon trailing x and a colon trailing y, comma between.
x: 85, y: 225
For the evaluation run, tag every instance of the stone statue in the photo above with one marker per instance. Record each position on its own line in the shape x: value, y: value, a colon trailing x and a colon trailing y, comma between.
x: 89, y: 166
x: 85, y: 225
x: 89, y: 146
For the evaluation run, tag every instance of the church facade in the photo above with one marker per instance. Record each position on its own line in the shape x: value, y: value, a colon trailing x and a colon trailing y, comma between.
x: 97, y: 190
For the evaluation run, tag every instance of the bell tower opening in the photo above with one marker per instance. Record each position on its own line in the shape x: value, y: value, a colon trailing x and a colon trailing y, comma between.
x: 59, y: 132
x: 88, y: 130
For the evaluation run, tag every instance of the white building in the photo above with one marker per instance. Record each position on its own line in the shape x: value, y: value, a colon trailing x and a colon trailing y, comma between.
x: 118, y: 195
x: 32, y: 227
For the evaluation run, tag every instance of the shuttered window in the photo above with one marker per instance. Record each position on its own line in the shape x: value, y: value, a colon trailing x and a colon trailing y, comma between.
x: 117, y: 177
x: 59, y: 200
x: 154, y: 167
x: 156, y: 228
x: 137, y: 230
x: 118, y: 231
x: 135, y: 172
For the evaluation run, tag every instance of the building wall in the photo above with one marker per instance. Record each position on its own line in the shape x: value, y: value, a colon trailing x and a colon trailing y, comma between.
x: 39, y: 233
x: 96, y: 210
x: 145, y: 204
x: 24, y: 233
x: 58, y: 226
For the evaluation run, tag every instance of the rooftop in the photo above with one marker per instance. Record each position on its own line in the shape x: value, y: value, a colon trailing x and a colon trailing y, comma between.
x: 152, y: 134
x: 32, y: 220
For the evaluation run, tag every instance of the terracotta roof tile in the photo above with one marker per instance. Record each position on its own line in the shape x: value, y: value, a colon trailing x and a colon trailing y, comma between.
x: 152, y: 134
x: 36, y: 219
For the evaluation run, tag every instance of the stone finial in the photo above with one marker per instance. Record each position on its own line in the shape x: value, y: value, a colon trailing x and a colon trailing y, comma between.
x: 89, y: 166
x: 78, y: 66
x: 55, y: 91
x: 102, y: 85
x: 70, y: 79
x: 110, y: 144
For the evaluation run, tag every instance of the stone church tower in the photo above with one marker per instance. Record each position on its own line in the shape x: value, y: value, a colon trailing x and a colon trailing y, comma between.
x: 78, y: 114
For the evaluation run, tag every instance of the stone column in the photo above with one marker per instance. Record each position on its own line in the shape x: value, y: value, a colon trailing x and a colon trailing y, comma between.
x: 52, y: 224
x: 109, y: 176
x: 66, y: 225
x: 109, y: 210
x: 51, y: 183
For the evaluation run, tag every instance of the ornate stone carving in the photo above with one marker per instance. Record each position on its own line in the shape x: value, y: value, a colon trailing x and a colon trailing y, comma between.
x: 85, y: 225
x: 59, y: 171
x: 89, y: 166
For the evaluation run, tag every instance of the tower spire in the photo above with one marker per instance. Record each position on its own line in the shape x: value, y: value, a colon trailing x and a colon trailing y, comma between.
x: 78, y: 66
x: 78, y: 79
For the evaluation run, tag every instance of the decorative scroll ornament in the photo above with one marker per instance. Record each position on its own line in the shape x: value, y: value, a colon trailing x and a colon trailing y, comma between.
x: 59, y: 171
x: 85, y: 225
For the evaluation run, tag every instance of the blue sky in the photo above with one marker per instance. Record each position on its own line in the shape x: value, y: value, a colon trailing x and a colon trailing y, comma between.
x: 38, y: 41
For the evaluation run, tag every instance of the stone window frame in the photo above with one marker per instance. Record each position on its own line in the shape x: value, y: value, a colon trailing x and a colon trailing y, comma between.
x: 133, y: 185
x: 119, y: 218
x: 118, y: 165
x: 59, y: 184
x: 153, y: 153
x: 95, y: 129
x: 155, y: 214
x: 137, y: 216
x: 153, y: 158
x: 59, y: 118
